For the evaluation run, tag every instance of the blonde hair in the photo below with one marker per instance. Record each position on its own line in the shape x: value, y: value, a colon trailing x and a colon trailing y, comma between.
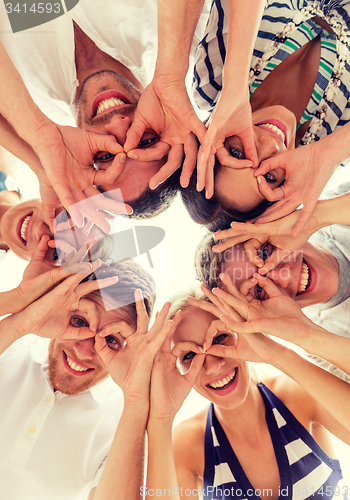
x: 179, y: 301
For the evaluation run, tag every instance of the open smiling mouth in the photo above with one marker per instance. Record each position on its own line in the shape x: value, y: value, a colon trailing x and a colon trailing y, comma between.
x: 22, y: 228
x: 224, y: 383
x: 305, y: 278
x: 108, y: 101
x: 275, y: 130
x: 74, y: 367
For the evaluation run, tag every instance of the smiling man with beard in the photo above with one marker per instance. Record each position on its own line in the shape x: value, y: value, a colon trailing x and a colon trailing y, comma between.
x: 60, y: 408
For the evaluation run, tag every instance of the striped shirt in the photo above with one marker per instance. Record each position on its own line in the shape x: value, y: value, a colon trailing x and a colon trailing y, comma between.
x: 305, y: 469
x: 285, y: 26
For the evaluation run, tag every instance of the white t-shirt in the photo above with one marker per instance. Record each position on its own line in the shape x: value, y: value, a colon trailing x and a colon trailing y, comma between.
x: 52, y: 446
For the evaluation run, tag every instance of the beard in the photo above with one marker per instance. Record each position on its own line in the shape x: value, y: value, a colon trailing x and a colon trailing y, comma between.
x: 65, y: 382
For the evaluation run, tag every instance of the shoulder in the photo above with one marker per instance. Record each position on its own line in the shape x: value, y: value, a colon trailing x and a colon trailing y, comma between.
x: 294, y: 397
x: 188, y: 443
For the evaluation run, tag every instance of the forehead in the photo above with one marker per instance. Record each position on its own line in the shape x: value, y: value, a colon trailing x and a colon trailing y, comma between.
x: 236, y: 264
x: 118, y: 313
x: 193, y: 325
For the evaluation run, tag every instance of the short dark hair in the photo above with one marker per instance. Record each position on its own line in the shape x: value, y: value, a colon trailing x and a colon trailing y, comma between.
x: 153, y: 202
x: 131, y: 276
x: 214, y: 213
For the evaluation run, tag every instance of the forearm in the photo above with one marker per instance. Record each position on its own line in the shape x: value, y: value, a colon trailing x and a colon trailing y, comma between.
x: 16, y: 104
x: 327, y: 389
x: 327, y: 345
x: 244, y: 21
x: 161, y: 472
x: 123, y: 473
x: 8, y: 333
x: 177, y: 22
x: 10, y: 140
x: 333, y: 211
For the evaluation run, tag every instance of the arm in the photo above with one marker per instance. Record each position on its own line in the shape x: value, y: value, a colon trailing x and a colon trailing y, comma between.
x: 130, y: 367
x: 232, y: 114
x: 164, y: 105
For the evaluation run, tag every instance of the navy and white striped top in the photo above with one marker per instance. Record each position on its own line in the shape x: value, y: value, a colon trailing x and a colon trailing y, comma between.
x: 305, y: 469
x: 286, y: 25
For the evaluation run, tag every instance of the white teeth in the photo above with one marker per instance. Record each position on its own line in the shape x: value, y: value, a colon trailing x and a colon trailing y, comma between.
x: 75, y: 367
x: 275, y: 129
x: 24, y: 227
x: 225, y: 381
x: 304, y: 279
x: 108, y: 103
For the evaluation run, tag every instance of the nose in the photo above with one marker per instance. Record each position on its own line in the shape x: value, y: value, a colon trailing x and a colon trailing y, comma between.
x: 281, y: 276
x: 84, y: 350
x: 267, y: 145
x: 118, y: 126
x: 212, y: 364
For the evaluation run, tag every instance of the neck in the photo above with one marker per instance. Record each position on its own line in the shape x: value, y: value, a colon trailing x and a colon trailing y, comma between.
x: 247, y: 421
x: 89, y: 59
x: 8, y: 199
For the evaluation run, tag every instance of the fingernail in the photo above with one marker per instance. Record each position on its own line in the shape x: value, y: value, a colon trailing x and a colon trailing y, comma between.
x: 122, y: 158
x: 155, y: 187
x: 133, y: 156
x: 259, y: 179
x: 249, y: 165
x: 204, y: 347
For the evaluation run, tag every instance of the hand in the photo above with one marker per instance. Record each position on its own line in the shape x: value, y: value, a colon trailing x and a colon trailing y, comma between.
x: 50, y: 315
x: 169, y: 388
x: 277, y: 233
x: 67, y: 156
x: 130, y: 359
x: 277, y: 315
x: 230, y: 117
x: 165, y: 108
x: 308, y: 169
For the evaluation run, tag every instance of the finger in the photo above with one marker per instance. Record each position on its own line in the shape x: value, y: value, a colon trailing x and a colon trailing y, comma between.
x: 64, y: 246
x: 226, y: 159
x: 240, y: 328
x: 246, y: 286
x: 121, y: 327
x: 113, y: 203
x: 181, y: 347
x: 251, y: 248
x: 209, y: 177
x: 248, y: 143
x: 92, y: 285
x: 173, y: 163
x: 159, y: 321
x: 305, y: 215
x: 269, y: 164
x: 90, y: 308
x: 73, y: 333
x: 222, y: 351
x: 110, y: 174
x: 191, y: 150
x: 76, y: 258
x: 195, y: 368
x: 229, y: 243
x: 239, y: 305
x: 40, y: 251
x: 142, y: 318
x: 204, y: 305
x: 214, y: 327
x: 134, y: 134
x: 269, y: 286
x: 154, y: 153
x: 278, y: 211
x: 274, y: 260
x: 87, y: 228
x: 270, y: 194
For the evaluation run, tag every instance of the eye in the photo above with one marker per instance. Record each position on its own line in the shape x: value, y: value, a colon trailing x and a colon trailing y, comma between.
x: 147, y: 141
x: 188, y: 357
x: 103, y: 157
x: 57, y: 254
x: 78, y: 322
x: 260, y: 293
x: 221, y: 338
x: 237, y: 153
x: 113, y: 342
x: 269, y: 177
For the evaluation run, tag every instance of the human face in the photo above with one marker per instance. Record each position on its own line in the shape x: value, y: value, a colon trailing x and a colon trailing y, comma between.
x: 309, y: 276
x: 224, y: 381
x: 274, y: 130
x: 23, y: 225
x: 106, y: 105
x: 74, y: 365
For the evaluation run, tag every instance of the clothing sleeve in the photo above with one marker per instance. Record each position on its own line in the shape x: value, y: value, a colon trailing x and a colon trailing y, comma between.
x: 97, y: 477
